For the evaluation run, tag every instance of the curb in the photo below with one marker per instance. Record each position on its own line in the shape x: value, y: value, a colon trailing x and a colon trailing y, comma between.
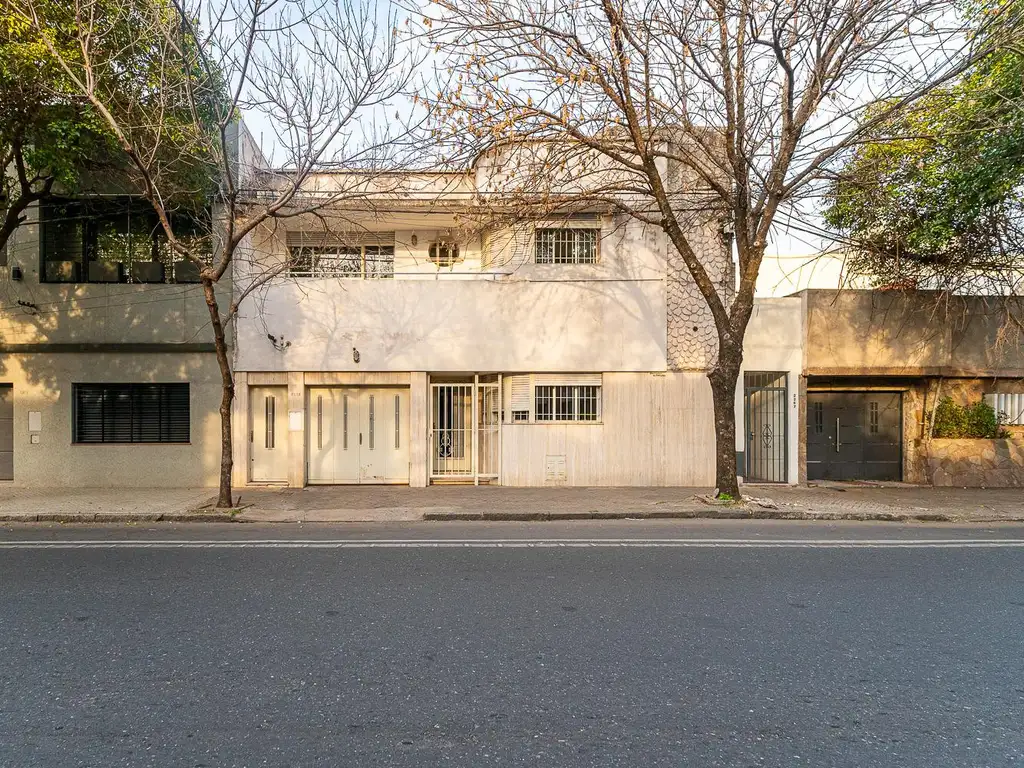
x: 712, y: 514
x: 120, y: 517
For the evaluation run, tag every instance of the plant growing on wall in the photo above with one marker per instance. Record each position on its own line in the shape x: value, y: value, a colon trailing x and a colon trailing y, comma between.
x: 974, y: 420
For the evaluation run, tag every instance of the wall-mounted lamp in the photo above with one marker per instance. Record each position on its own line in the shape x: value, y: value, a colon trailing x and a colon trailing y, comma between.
x: 355, y: 355
x: 16, y: 273
x: 414, y: 240
x: 279, y: 343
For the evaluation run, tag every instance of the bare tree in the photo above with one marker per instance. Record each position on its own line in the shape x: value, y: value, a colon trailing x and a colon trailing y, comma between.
x: 317, y: 78
x: 683, y: 115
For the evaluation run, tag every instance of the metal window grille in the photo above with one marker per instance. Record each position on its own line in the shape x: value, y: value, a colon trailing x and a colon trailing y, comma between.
x: 567, y: 402
x: 372, y: 418
x: 344, y: 422
x: 398, y: 420
x: 130, y: 413
x: 319, y: 422
x: 366, y: 261
x: 819, y: 418
x: 873, y: 418
x: 566, y: 246
x: 451, y: 429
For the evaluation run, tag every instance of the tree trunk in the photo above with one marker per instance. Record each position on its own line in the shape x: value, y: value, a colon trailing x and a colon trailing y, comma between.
x: 724, y: 377
x: 227, y: 395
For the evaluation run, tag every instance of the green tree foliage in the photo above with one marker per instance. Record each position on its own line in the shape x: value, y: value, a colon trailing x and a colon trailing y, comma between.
x: 53, y: 140
x: 935, y: 197
x: 47, y: 134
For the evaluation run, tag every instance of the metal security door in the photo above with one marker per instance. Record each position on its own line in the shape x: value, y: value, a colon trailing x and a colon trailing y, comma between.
x: 451, y: 431
x: 268, y: 434
x: 6, y: 432
x: 764, y: 398
x: 854, y: 436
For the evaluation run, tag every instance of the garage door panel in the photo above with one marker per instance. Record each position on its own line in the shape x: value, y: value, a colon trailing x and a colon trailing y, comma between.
x: 355, y: 437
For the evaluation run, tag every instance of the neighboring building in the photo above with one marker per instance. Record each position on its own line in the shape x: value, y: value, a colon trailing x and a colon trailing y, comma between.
x: 107, y: 371
x: 877, y: 362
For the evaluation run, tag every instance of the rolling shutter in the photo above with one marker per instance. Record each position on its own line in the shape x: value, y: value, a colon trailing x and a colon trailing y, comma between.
x: 131, y: 413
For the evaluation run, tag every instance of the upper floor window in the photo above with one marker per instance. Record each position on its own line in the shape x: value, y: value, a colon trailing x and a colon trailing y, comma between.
x: 118, y: 240
x: 569, y: 245
x: 443, y: 254
x: 320, y: 255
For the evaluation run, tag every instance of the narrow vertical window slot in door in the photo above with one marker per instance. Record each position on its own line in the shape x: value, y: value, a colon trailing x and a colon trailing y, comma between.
x: 344, y: 422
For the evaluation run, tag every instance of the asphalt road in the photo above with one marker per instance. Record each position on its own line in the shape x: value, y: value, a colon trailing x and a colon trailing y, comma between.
x: 605, y: 644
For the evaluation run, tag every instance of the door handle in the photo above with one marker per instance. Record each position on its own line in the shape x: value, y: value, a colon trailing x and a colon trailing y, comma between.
x: 838, y: 443
x: 360, y: 438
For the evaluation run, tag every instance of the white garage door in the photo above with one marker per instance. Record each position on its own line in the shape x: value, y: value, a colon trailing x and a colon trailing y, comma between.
x: 358, y: 435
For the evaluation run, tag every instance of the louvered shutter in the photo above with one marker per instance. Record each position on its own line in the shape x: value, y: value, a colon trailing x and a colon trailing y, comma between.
x: 131, y: 413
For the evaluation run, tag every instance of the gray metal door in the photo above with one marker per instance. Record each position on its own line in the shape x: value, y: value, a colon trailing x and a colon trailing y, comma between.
x: 764, y: 406
x: 854, y: 436
x: 6, y: 432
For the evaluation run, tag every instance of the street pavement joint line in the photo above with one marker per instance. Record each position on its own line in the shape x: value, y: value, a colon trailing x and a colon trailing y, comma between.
x: 696, y: 543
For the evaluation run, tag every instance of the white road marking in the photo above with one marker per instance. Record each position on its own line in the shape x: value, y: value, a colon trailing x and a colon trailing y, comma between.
x: 521, y: 543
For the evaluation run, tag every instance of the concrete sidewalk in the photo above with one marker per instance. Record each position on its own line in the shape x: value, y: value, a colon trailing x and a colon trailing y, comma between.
x: 893, y: 502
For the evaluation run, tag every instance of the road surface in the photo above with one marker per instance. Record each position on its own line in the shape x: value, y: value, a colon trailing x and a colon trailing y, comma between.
x: 584, y: 644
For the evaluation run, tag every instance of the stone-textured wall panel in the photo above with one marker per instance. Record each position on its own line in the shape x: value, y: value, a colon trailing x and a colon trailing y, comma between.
x: 975, y: 463
x: 692, y: 339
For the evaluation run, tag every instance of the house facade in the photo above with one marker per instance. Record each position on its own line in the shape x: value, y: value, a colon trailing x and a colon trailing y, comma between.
x: 412, y: 340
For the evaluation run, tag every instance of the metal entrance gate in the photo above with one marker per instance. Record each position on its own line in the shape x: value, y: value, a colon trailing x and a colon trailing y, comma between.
x: 764, y: 407
x: 465, y: 430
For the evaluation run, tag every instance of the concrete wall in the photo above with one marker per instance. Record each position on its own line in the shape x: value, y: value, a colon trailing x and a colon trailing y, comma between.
x: 43, y: 383
x: 920, y: 333
x: 56, y: 335
x: 656, y: 429
x: 774, y: 343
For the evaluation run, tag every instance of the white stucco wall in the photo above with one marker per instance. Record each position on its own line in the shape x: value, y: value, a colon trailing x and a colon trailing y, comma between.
x: 774, y: 342
x: 512, y: 315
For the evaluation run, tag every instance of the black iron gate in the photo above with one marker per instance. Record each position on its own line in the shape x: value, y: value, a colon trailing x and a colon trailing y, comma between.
x: 764, y: 407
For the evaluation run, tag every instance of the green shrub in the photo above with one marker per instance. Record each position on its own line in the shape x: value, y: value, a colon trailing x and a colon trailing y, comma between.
x: 974, y: 420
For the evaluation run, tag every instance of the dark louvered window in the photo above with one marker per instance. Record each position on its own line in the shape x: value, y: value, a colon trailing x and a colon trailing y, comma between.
x: 131, y: 413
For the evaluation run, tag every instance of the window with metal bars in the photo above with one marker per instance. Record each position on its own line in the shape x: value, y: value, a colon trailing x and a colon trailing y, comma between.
x: 362, y: 261
x: 570, y: 245
x: 130, y: 413
x: 567, y: 402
